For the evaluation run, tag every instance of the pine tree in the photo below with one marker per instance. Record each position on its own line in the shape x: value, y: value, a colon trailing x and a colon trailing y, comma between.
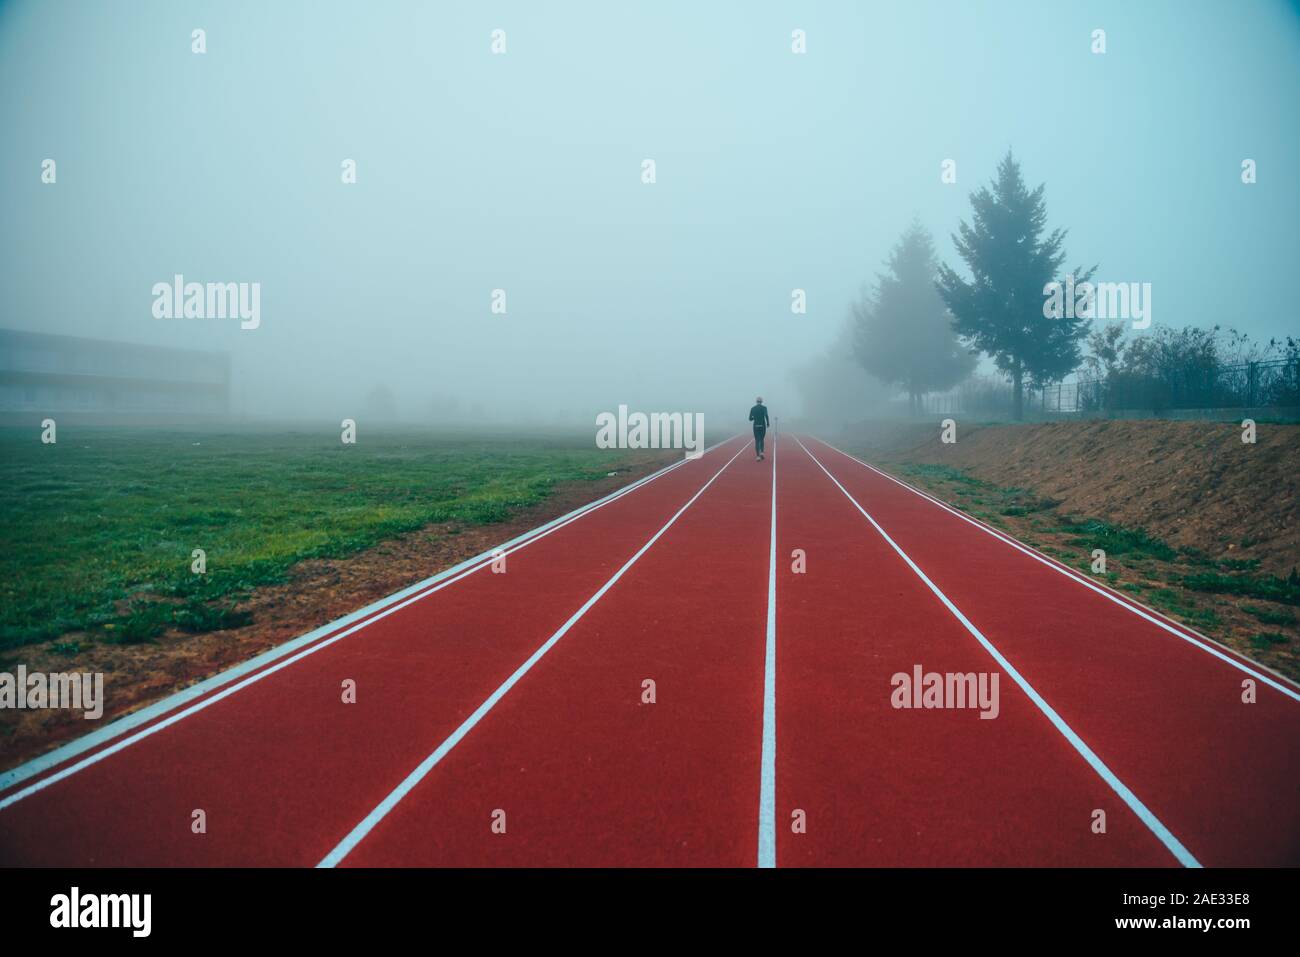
x: 1000, y: 311
x: 902, y: 331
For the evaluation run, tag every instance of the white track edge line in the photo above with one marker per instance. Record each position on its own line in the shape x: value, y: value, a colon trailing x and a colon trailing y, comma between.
x: 1144, y: 814
x: 126, y: 723
x: 1130, y: 604
x: 380, y: 811
x: 767, y: 773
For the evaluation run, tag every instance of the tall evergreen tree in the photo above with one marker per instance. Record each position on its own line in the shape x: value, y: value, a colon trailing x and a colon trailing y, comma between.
x: 1000, y: 310
x: 902, y: 331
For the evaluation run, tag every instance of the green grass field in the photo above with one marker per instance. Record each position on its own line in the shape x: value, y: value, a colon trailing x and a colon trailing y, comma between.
x: 98, y: 529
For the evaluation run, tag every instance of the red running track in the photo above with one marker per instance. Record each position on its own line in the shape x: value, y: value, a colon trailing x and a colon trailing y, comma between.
x: 504, y: 719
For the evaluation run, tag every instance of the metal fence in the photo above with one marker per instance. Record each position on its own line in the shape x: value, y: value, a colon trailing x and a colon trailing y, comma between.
x: 1273, y: 383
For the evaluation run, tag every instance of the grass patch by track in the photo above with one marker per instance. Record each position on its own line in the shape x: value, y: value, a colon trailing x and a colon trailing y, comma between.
x: 1266, y: 587
x: 1270, y: 616
x: 1267, y: 639
x: 99, y: 529
x: 1118, y: 540
x: 1178, y: 603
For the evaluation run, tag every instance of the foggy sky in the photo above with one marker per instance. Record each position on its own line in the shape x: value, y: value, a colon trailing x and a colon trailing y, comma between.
x: 523, y: 172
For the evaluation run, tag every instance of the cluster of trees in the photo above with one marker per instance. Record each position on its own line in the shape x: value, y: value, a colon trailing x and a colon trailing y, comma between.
x: 1188, y: 368
x: 901, y: 330
x: 921, y: 325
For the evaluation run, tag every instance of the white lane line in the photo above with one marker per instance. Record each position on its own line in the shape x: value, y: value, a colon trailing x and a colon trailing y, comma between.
x: 1153, y: 823
x: 381, y: 810
x: 767, y: 774
x: 1199, y: 641
x: 384, y: 607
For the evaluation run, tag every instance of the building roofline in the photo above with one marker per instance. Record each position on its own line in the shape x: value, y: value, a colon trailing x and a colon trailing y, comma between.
x: 56, y: 338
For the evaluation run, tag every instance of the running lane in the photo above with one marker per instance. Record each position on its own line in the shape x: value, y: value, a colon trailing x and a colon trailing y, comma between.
x: 1165, y: 715
x: 879, y: 786
x: 283, y: 766
x: 575, y: 766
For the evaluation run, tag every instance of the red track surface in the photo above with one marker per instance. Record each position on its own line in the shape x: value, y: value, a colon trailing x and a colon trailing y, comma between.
x: 588, y: 774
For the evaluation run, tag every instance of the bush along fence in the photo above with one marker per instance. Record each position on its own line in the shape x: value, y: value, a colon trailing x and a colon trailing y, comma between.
x: 1272, y: 386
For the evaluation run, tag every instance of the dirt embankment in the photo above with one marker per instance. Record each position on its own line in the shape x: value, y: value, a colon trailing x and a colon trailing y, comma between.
x: 1191, y: 484
x: 1193, y: 521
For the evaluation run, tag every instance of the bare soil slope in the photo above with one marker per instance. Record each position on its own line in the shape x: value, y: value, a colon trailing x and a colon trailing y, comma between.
x: 1191, y: 484
x: 1193, y: 521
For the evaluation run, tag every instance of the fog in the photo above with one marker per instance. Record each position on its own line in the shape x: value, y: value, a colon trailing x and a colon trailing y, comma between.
x: 522, y: 171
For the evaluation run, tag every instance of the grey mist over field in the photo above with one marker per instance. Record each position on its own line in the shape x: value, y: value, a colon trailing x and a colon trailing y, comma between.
x: 522, y: 171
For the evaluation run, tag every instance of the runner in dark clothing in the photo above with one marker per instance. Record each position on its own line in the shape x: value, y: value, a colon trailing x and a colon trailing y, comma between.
x: 758, y: 415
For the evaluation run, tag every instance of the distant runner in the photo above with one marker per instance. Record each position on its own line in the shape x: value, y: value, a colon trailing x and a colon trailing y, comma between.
x: 758, y: 415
